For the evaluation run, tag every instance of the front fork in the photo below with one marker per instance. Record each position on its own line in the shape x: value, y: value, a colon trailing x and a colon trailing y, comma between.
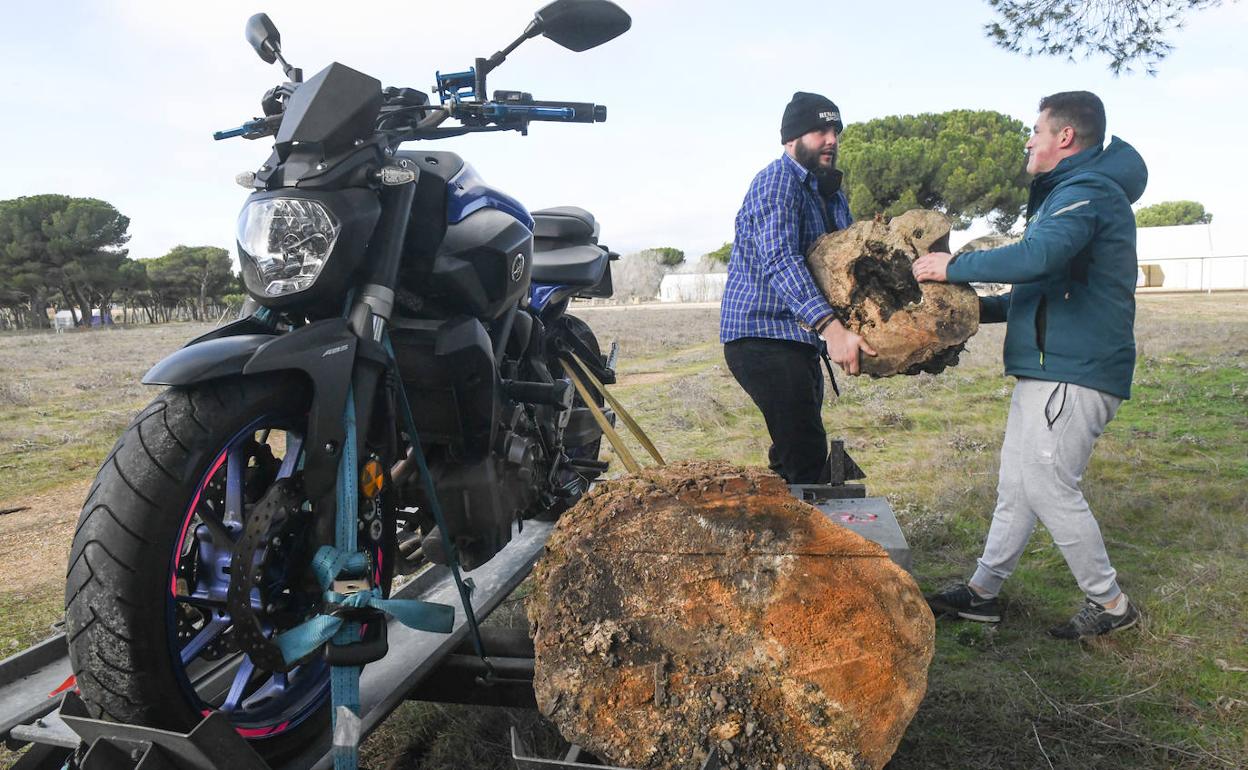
x: 370, y: 312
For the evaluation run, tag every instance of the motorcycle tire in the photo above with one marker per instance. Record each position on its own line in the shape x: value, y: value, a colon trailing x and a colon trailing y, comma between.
x: 590, y: 450
x: 582, y: 332
x: 146, y: 540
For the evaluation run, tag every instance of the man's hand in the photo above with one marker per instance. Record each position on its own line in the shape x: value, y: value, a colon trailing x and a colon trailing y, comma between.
x: 844, y: 347
x: 932, y: 267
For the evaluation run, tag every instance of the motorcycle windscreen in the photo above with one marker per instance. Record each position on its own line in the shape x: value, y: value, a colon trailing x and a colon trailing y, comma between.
x: 332, y: 109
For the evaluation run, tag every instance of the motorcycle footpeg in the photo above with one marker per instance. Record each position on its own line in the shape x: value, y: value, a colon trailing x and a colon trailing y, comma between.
x: 372, y: 647
x: 559, y: 394
x: 591, y: 466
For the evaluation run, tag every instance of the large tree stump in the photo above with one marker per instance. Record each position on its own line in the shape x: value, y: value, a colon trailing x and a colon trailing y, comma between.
x: 866, y: 269
x: 701, y: 606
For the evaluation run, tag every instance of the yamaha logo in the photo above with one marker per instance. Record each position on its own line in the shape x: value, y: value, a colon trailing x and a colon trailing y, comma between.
x: 517, y: 267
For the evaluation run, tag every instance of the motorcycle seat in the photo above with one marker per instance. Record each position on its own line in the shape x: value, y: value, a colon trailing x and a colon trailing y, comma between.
x: 566, y: 225
x: 581, y: 265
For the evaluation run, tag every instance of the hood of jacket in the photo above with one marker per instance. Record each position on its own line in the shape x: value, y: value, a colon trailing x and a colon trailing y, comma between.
x: 1118, y: 163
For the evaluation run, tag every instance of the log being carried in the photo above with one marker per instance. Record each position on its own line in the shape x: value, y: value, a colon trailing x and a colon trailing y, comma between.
x: 701, y: 607
x: 865, y: 270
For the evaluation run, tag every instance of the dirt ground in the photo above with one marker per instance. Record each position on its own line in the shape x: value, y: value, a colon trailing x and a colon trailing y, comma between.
x: 34, y: 542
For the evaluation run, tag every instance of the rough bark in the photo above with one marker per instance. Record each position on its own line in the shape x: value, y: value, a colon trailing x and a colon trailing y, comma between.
x: 700, y: 607
x: 865, y: 270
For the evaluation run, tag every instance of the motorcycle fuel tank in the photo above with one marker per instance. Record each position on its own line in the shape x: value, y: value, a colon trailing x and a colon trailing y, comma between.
x: 469, y: 246
x: 485, y: 262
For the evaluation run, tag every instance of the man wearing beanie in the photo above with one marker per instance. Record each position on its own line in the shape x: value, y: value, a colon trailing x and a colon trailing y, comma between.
x: 1070, y: 341
x: 774, y: 320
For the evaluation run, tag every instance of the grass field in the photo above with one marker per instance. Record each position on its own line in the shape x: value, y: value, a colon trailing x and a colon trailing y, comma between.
x: 1168, y: 482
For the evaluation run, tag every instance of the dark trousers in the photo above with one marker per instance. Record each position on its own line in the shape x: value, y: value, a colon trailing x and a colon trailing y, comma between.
x: 785, y: 382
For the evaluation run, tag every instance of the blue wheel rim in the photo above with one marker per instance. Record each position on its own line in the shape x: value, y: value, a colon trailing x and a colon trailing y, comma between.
x: 260, y: 704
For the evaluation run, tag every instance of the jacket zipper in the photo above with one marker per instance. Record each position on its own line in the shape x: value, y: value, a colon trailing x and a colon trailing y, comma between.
x: 1042, y: 316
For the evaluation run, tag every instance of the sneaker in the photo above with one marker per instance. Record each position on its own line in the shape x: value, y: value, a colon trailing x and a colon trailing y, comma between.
x: 960, y: 601
x: 1095, y: 620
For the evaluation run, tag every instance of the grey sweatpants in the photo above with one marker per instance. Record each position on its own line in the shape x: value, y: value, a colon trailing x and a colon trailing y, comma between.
x: 1049, y: 437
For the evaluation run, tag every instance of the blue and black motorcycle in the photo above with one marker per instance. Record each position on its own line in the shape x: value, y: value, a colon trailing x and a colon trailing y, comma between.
x: 396, y: 393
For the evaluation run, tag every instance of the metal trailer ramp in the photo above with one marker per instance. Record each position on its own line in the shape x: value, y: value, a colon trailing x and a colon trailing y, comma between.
x: 419, y: 666
x: 871, y: 517
x: 28, y: 681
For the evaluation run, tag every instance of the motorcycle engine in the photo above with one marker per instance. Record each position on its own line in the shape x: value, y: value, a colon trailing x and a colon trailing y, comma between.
x: 480, y: 500
x: 489, y: 454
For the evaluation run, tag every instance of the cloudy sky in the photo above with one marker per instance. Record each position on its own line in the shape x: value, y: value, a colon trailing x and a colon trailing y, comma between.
x: 118, y: 100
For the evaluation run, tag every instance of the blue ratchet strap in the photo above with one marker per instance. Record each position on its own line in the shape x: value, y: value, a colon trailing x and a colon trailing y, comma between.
x: 464, y: 586
x: 330, y: 564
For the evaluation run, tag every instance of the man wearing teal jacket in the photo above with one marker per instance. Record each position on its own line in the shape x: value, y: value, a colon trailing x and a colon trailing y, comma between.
x: 1070, y: 342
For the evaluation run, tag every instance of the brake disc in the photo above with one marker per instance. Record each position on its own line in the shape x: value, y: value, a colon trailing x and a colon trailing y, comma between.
x: 280, y: 502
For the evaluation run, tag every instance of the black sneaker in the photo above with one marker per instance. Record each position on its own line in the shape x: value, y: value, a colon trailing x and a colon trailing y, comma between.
x: 960, y: 601
x: 1095, y: 620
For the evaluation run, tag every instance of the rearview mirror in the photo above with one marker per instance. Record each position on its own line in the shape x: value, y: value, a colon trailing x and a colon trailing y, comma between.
x: 580, y: 24
x: 264, y: 37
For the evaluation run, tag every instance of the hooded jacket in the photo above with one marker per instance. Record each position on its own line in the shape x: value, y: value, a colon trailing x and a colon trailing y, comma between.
x: 1071, y: 314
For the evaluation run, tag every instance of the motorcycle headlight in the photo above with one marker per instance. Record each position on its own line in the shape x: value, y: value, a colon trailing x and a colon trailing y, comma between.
x: 290, y: 240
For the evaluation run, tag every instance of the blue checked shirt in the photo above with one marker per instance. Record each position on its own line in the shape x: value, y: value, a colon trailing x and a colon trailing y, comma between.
x: 769, y: 288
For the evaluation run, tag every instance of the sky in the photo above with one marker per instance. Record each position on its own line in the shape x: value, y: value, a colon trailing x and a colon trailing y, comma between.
x: 118, y: 100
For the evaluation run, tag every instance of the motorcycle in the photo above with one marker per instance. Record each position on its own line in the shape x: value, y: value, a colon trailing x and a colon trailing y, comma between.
x: 399, y: 379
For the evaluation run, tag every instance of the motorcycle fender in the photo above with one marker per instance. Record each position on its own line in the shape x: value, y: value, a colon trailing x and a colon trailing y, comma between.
x: 325, y: 352
x: 206, y: 359
x: 197, y: 361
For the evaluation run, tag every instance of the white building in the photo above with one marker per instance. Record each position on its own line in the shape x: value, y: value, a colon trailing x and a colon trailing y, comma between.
x: 1193, y: 257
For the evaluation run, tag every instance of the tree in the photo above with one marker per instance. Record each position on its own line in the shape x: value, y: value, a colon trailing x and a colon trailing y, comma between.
x: 133, y: 284
x: 84, y: 246
x: 637, y: 276
x: 964, y: 163
x: 192, y: 275
x: 55, y: 243
x: 1172, y: 213
x: 667, y: 256
x: 1127, y: 31
x: 25, y: 264
x: 720, y: 255
x: 234, y: 302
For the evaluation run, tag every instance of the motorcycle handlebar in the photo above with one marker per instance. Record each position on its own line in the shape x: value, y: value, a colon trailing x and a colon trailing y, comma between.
x: 582, y: 112
x: 506, y: 113
x: 252, y: 129
x: 557, y: 112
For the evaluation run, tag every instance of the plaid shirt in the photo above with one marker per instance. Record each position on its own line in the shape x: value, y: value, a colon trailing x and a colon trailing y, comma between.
x: 769, y: 288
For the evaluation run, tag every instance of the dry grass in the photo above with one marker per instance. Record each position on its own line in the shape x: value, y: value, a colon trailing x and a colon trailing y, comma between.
x: 64, y: 399
x: 1167, y: 482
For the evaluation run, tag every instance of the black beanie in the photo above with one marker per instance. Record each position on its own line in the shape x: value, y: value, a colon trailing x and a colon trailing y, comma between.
x: 808, y: 112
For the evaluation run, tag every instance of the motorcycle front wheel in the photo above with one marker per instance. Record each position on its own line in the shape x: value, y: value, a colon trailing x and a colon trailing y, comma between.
x: 150, y: 634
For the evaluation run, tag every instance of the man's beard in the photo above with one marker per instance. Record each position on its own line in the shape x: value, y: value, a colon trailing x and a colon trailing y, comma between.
x: 809, y: 159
